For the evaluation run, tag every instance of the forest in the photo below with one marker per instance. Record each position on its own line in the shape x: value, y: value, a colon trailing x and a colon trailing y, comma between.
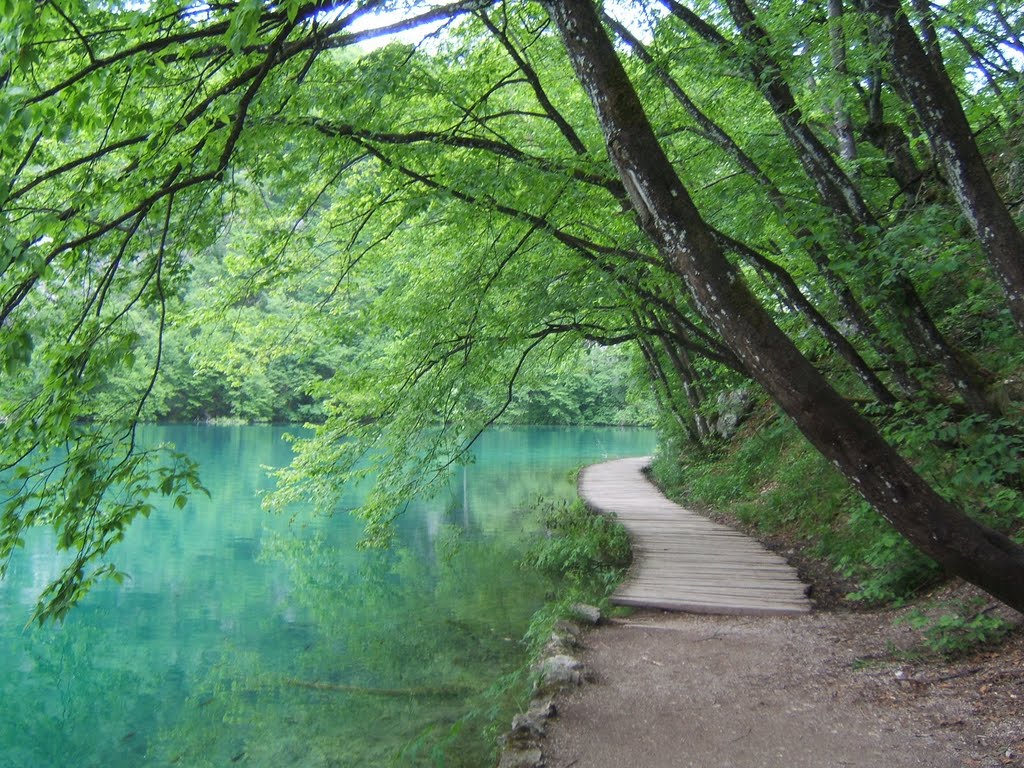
x: 220, y: 370
x: 406, y: 222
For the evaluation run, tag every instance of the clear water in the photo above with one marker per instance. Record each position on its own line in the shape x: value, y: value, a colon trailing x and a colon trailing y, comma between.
x: 243, y: 638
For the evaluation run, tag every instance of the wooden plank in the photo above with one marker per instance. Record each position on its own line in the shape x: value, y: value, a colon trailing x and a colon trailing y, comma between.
x: 685, y: 562
x: 700, y: 585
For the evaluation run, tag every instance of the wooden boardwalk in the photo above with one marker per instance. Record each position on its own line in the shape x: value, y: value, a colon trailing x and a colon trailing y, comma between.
x: 685, y: 562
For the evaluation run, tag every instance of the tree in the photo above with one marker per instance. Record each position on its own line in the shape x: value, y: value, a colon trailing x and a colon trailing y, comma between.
x: 462, y: 216
x: 935, y: 102
x: 833, y: 426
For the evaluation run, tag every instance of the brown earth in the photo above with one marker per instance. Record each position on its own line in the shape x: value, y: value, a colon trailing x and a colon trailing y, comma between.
x: 837, y: 688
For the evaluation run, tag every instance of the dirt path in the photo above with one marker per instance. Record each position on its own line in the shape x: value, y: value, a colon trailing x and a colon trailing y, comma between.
x: 810, y: 691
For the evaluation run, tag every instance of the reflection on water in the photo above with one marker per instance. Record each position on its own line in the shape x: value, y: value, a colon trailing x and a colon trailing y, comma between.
x: 244, y: 638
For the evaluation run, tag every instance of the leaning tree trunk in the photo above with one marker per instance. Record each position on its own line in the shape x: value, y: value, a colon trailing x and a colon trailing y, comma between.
x: 855, y: 313
x: 668, y: 215
x: 934, y: 99
x: 663, y: 391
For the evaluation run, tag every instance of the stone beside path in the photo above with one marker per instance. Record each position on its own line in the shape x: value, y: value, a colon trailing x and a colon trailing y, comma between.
x: 683, y: 561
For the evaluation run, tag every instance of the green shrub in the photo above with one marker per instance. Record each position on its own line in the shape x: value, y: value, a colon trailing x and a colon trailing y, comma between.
x: 977, y: 461
x: 587, y: 551
x: 959, y: 628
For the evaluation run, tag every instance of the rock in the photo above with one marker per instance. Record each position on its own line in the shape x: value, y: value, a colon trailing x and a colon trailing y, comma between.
x: 560, y: 671
x: 524, y: 726
x: 733, y: 407
x: 543, y: 708
x: 521, y: 745
x: 532, y: 723
x: 589, y: 614
x: 569, y: 634
x: 527, y: 757
x: 565, y: 638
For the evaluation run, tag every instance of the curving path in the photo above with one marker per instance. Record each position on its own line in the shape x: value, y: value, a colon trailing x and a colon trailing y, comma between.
x: 685, y: 562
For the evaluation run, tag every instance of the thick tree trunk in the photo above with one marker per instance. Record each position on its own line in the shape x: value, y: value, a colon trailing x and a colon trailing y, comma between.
x: 832, y: 425
x: 934, y: 99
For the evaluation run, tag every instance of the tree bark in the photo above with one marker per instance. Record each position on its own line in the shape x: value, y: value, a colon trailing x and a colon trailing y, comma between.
x: 669, y: 217
x: 843, y: 126
x: 934, y: 99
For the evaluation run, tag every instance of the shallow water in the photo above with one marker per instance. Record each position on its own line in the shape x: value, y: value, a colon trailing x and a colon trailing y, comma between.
x: 244, y: 638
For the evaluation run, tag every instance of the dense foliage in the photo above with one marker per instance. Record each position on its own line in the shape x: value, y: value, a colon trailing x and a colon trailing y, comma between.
x: 588, y: 552
x: 817, y: 200
x: 237, y: 366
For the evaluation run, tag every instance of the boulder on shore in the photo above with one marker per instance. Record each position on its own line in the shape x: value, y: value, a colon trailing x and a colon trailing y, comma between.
x: 560, y: 671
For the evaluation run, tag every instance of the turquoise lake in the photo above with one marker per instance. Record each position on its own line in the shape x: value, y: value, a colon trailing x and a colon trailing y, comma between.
x: 251, y: 639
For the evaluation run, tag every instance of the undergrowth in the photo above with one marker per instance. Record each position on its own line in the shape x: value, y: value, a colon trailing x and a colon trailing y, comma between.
x: 586, y: 552
x: 954, y: 628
